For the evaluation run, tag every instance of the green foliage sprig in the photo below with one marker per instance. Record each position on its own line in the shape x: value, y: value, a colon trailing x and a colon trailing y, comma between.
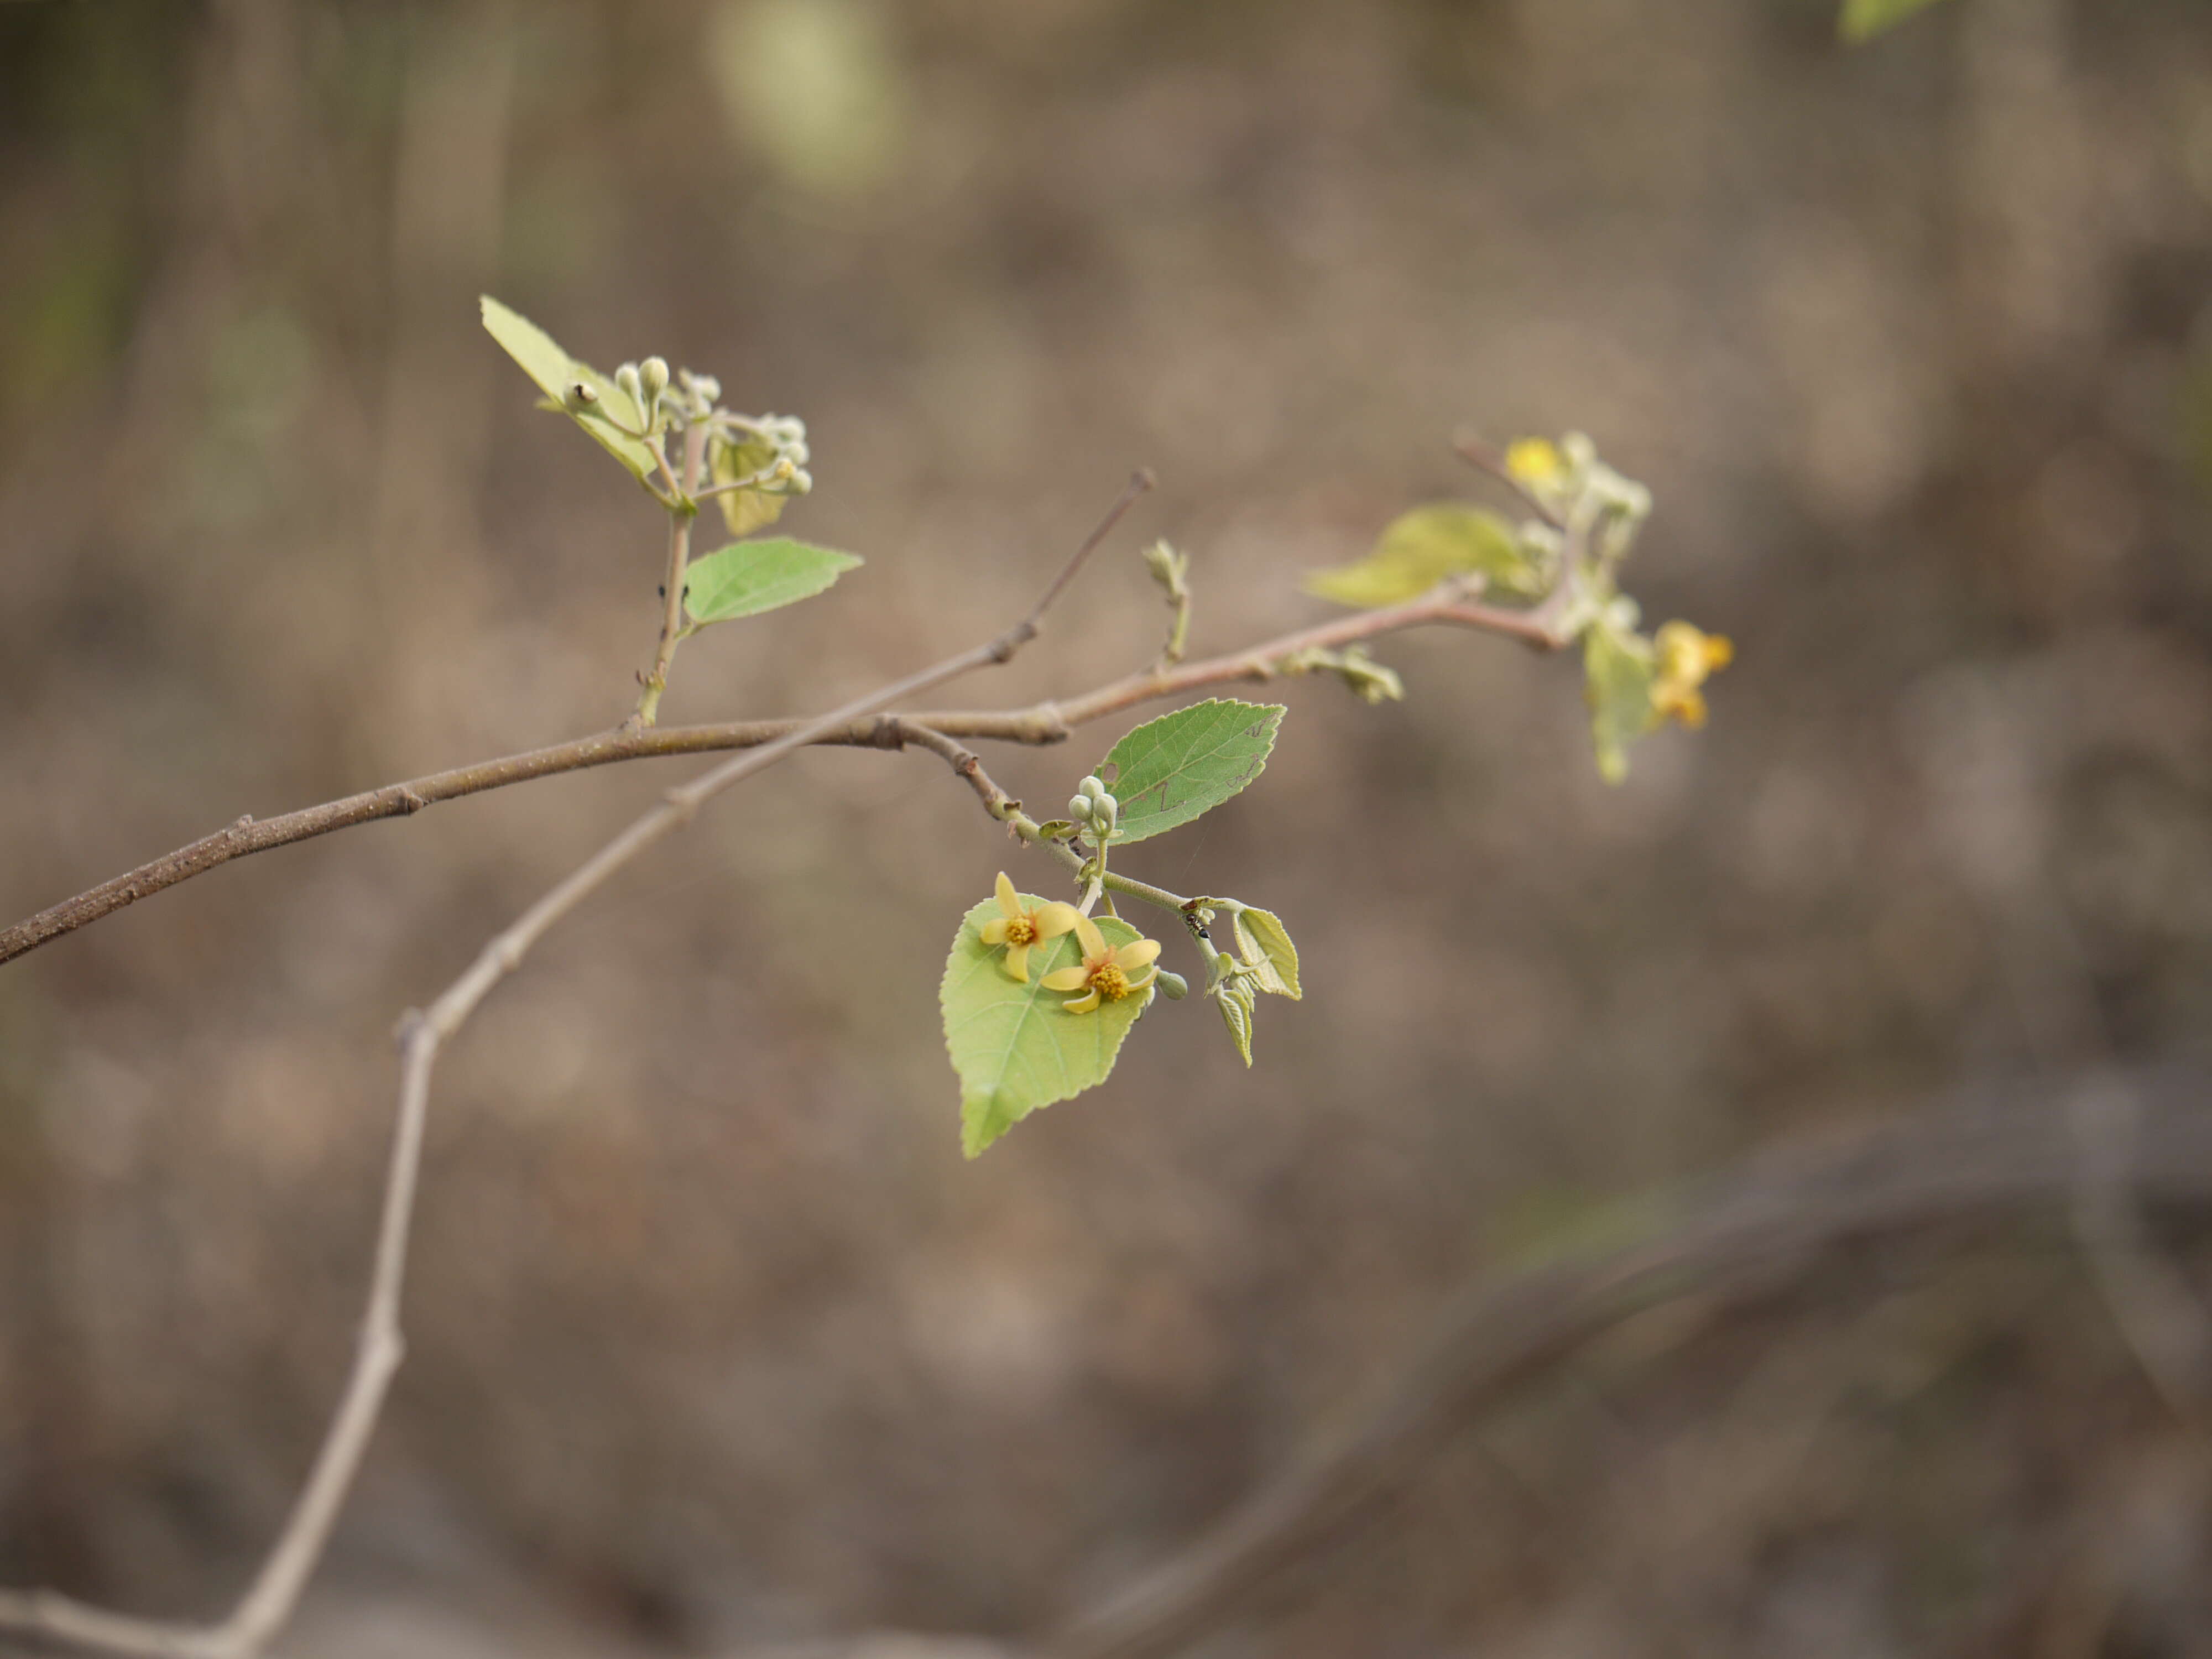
x: 756, y: 463
x: 1038, y: 995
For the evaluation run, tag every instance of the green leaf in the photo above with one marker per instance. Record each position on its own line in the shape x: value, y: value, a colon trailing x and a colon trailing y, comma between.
x: 746, y: 578
x: 1862, y: 19
x: 1619, y: 672
x: 1015, y: 1046
x: 1421, y: 549
x: 1180, y: 765
x: 745, y: 510
x: 544, y: 362
x: 1235, y: 1002
x: 1265, y: 944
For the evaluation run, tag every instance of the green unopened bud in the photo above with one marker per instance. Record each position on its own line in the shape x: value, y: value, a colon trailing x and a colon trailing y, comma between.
x: 582, y: 394
x: 627, y: 378
x: 1174, y: 987
x: 652, y: 375
x: 1106, y: 811
x: 1078, y: 808
x: 1092, y: 787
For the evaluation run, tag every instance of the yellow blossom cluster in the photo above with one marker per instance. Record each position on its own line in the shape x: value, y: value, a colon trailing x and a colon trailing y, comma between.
x: 1107, y: 972
x: 1687, y: 657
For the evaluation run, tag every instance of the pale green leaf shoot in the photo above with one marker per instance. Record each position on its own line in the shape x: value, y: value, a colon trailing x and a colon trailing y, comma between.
x: 1235, y: 1002
x: 1423, y: 548
x: 1182, y: 764
x: 745, y: 510
x: 556, y: 374
x: 1014, y: 1045
x: 746, y: 578
x: 1862, y: 19
x: 1620, y: 674
x: 1265, y: 944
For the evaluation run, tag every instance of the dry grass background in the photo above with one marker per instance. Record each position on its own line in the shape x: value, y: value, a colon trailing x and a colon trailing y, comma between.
x: 715, y: 1339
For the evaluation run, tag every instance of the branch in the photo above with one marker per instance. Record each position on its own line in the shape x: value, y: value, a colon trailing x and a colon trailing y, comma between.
x: 1041, y: 723
x: 1003, y: 807
x: 268, y: 1603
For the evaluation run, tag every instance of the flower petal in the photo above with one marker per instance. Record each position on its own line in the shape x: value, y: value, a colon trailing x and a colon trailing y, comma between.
x: 1055, y: 919
x: 1137, y: 954
x: 1140, y: 982
x: 1081, y: 1005
x: 994, y: 931
x: 1018, y: 962
x: 1066, y: 979
x: 1094, y: 942
x: 1007, y: 901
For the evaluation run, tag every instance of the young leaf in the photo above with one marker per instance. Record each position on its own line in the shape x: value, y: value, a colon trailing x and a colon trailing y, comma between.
x: 1014, y: 1045
x: 1180, y: 765
x: 1620, y: 673
x: 1235, y: 1002
x: 1862, y: 19
x: 1265, y: 944
x: 556, y: 373
x: 746, y: 578
x: 1423, y: 547
x: 745, y: 510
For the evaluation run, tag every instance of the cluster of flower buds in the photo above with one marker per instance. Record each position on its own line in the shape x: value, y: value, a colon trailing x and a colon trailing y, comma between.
x: 696, y: 395
x: 1095, y: 809
x: 642, y: 384
x: 787, y: 473
x: 1578, y: 489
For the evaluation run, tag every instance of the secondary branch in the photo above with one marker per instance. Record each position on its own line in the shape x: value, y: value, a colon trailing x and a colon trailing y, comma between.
x: 1041, y: 723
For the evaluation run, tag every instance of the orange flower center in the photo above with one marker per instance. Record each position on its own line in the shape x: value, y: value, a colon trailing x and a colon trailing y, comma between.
x: 1109, y: 981
x: 1020, y: 930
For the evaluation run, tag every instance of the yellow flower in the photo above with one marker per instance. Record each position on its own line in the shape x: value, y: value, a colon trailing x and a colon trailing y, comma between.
x: 1535, y: 461
x: 1687, y: 658
x: 1017, y: 929
x: 1107, y: 972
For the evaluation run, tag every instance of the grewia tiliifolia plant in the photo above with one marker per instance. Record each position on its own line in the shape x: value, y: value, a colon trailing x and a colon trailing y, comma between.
x: 1040, y: 990
x: 1039, y: 995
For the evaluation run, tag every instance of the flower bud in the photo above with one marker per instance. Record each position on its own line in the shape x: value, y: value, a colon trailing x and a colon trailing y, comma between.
x: 627, y: 378
x: 1078, y: 808
x: 1092, y: 787
x: 582, y: 394
x: 1174, y: 987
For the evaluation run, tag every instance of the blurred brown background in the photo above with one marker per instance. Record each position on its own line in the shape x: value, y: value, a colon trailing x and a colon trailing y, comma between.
x: 715, y: 1340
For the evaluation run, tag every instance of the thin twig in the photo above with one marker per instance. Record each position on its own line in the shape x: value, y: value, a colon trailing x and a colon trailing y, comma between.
x: 671, y: 589
x: 268, y: 1603
x: 1041, y: 723
x: 1481, y: 455
x: 967, y: 765
x: 1140, y: 481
